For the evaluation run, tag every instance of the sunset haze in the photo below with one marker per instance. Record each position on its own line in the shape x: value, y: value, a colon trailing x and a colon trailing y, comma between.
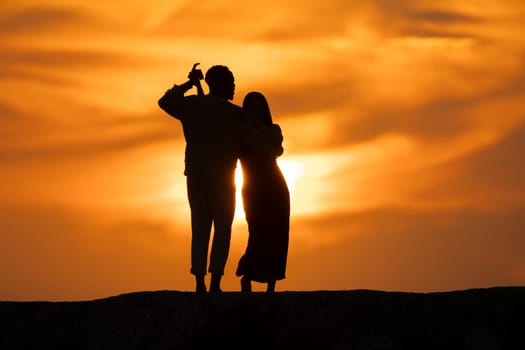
x: 404, y: 141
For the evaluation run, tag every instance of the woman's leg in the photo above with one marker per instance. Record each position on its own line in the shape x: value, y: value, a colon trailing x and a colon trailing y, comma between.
x: 246, y: 284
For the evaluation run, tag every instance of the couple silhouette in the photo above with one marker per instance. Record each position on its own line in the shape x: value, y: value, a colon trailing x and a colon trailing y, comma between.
x: 218, y: 133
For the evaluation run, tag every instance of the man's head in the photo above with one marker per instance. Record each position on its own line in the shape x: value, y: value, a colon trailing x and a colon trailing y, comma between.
x: 220, y: 81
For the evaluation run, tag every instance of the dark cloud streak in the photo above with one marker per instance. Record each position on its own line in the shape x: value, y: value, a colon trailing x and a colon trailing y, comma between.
x: 39, y: 18
x: 59, y: 58
x: 107, y: 136
x: 442, y: 17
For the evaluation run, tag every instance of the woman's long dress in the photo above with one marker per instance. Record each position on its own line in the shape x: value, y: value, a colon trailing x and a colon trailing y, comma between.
x: 266, y: 201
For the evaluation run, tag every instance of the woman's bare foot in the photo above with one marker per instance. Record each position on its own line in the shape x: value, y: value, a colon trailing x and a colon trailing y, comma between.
x: 246, y: 284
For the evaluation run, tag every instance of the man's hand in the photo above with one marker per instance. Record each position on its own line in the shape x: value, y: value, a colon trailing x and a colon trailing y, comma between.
x: 195, y: 75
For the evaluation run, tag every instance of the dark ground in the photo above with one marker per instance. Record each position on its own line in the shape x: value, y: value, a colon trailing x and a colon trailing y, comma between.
x: 491, y: 318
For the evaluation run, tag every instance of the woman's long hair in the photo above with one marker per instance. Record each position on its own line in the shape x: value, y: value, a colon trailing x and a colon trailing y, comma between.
x: 256, y: 104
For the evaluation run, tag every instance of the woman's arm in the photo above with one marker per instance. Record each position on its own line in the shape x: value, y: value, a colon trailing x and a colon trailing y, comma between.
x: 275, y: 137
x: 264, y: 138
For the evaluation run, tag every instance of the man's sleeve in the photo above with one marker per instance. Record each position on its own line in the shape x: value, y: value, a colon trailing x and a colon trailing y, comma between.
x: 173, y: 102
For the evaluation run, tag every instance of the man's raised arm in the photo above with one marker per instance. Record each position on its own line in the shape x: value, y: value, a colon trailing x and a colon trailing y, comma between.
x: 172, y: 100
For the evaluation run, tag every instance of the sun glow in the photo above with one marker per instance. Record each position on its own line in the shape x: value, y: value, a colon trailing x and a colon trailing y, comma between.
x: 291, y: 169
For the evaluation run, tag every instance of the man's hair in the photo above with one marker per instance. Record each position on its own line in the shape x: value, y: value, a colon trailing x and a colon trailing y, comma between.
x: 219, y: 78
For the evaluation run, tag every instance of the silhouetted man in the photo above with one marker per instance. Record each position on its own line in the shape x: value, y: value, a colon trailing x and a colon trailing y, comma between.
x: 212, y: 128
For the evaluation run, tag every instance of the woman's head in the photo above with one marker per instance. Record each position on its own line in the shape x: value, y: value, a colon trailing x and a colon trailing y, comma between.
x: 255, y: 103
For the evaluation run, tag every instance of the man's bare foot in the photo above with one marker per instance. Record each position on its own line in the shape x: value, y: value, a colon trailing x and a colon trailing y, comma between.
x: 215, y: 285
x: 271, y: 286
x: 200, y: 285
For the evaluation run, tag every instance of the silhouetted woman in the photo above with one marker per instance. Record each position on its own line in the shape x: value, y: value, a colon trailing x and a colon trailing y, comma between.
x: 266, y: 202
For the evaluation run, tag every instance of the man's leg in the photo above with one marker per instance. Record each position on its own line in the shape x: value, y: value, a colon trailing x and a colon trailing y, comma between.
x: 201, y: 221
x: 223, y: 212
x: 271, y: 286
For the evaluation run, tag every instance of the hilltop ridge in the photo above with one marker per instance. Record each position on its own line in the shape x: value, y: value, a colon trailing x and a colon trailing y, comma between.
x: 359, y: 319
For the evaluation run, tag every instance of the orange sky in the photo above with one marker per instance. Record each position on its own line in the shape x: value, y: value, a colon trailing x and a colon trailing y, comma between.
x: 404, y: 124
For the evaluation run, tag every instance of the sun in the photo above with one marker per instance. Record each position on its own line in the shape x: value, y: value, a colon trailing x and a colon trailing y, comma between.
x: 291, y: 169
